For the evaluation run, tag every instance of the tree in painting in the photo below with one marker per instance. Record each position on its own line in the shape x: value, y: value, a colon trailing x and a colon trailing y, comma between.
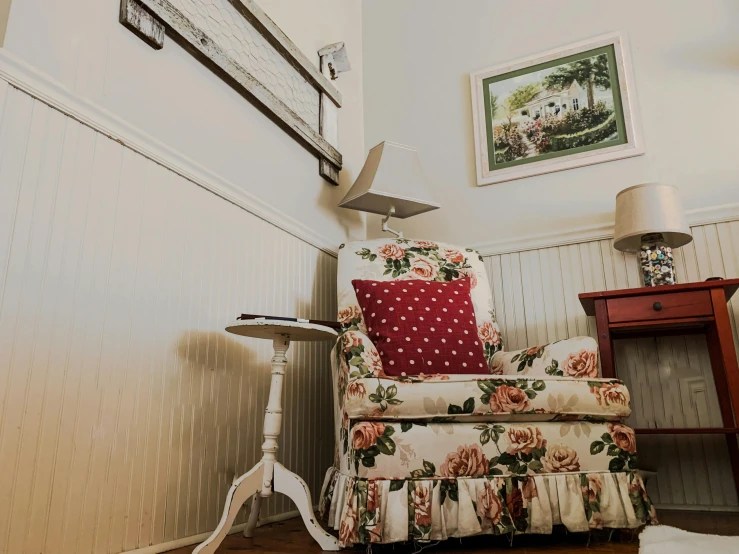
x: 591, y: 72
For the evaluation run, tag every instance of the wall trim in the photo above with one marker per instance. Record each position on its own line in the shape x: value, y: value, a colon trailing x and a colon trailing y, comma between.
x: 40, y: 86
x: 600, y: 231
x: 696, y: 508
x: 195, y: 539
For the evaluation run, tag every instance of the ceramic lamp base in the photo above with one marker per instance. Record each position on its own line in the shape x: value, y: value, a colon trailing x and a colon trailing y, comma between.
x: 657, y: 265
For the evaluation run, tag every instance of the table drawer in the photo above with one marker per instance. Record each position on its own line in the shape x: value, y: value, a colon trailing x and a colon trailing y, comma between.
x: 660, y: 306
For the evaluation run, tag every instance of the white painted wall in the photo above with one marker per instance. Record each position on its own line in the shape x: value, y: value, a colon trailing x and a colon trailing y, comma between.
x: 417, y: 58
x: 171, y: 96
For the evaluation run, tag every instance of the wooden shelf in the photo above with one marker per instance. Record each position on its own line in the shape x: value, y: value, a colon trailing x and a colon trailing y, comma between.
x: 688, y: 431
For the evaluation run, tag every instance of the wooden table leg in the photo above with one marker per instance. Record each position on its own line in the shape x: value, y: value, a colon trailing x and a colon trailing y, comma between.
x: 725, y: 373
x: 605, y: 341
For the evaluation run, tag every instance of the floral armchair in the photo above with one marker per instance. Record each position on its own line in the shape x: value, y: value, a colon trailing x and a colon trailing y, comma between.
x: 536, y: 442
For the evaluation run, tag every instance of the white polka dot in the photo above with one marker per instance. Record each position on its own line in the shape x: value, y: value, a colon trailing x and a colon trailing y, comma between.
x: 454, y: 352
x: 440, y: 289
x: 402, y: 318
x: 425, y: 339
x: 416, y: 299
x: 400, y: 349
x: 436, y: 351
x: 433, y: 300
x: 369, y: 329
x: 443, y: 285
x: 471, y: 354
x: 386, y: 290
x: 387, y: 340
x: 456, y: 321
x: 420, y: 319
x: 464, y: 364
x: 428, y: 309
x: 470, y: 322
x: 420, y: 350
x: 429, y: 362
x: 423, y: 290
x: 398, y: 299
x: 432, y: 329
x: 415, y: 328
x: 408, y: 339
x: 405, y: 290
x: 392, y: 362
x: 384, y: 320
x: 392, y: 284
x: 460, y: 311
x: 446, y: 363
x: 466, y: 332
x: 410, y: 308
x: 377, y: 334
x: 367, y: 296
x: 374, y: 284
x: 395, y: 328
x: 443, y: 340
x: 476, y: 343
x: 379, y: 301
x: 465, y: 302
x: 438, y: 319
x: 455, y: 292
x: 449, y: 330
x: 478, y: 365
x: 412, y: 362
x: 450, y: 300
x: 391, y: 309
x: 373, y: 314
x: 459, y: 341
x: 444, y: 309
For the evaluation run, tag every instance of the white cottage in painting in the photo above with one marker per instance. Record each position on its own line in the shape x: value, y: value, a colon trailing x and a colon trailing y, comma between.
x: 555, y: 101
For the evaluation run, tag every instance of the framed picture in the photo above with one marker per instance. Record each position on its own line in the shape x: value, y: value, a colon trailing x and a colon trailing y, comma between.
x: 565, y: 108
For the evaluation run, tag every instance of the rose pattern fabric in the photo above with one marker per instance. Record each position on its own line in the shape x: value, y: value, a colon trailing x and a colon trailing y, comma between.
x: 468, y: 460
x: 573, y: 357
x: 498, y: 506
x: 559, y: 459
x: 524, y: 439
x: 472, y: 398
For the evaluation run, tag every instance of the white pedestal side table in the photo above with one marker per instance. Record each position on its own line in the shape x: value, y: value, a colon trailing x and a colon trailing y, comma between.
x: 269, y: 475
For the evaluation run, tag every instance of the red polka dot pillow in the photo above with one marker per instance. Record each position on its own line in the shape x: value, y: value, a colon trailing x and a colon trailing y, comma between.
x: 422, y: 326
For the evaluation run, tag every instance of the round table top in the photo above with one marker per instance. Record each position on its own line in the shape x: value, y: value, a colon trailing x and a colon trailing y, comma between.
x: 268, y: 328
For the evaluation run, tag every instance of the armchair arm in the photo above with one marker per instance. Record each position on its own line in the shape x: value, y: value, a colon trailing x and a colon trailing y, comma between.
x: 573, y: 357
x: 359, y: 356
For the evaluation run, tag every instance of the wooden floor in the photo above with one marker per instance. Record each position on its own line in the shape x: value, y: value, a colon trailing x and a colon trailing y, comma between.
x: 290, y: 537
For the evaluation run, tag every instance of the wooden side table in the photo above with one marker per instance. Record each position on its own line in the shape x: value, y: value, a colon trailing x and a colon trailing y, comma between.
x: 269, y: 475
x: 691, y: 308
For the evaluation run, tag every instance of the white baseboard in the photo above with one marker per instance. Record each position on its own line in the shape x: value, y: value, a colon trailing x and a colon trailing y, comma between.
x: 40, y: 86
x: 695, y: 508
x: 195, y: 539
x: 601, y: 231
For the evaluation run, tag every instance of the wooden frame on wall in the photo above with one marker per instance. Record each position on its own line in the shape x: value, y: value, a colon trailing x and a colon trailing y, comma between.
x: 519, y: 149
x: 268, y: 69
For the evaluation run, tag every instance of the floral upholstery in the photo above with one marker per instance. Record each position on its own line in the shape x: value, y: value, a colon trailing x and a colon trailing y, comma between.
x: 538, y: 443
x: 574, y: 357
x: 476, y: 398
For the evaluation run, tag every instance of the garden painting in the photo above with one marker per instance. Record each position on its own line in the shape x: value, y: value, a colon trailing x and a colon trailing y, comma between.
x: 558, y: 108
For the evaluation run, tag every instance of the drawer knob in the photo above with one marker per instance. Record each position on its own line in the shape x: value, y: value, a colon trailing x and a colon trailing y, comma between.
x: 657, y: 306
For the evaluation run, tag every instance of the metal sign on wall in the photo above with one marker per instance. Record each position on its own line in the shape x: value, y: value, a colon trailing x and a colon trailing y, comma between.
x: 243, y: 46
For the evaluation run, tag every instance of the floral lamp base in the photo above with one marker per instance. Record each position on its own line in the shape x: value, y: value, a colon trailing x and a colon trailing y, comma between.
x: 657, y: 265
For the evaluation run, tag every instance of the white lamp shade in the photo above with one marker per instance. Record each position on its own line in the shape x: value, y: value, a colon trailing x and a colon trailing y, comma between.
x: 650, y: 208
x: 391, y: 178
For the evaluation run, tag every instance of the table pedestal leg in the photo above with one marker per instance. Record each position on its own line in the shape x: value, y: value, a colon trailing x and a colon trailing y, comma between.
x: 268, y: 475
x: 242, y: 489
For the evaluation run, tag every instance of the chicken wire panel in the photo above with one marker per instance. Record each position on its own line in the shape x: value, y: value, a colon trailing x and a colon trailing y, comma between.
x: 231, y: 32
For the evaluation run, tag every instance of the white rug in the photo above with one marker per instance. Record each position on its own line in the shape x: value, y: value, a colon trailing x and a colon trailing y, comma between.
x: 661, y: 539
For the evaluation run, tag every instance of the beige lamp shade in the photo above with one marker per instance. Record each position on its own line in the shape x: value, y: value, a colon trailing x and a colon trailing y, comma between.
x: 391, y: 178
x: 646, y: 209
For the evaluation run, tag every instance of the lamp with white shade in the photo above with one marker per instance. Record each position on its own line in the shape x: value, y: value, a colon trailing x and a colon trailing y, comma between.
x: 650, y: 220
x: 392, y: 184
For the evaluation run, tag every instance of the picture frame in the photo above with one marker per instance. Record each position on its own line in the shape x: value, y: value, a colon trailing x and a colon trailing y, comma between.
x: 533, y: 116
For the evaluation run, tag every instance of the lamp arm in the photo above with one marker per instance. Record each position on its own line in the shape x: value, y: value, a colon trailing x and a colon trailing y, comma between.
x: 385, y: 226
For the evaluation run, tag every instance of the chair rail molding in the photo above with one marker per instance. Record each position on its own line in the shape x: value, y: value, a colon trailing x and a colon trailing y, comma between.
x: 245, y: 48
x: 600, y: 231
x: 40, y: 86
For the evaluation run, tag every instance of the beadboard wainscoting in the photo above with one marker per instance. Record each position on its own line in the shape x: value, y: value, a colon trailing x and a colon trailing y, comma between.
x: 535, y: 293
x: 125, y: 408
